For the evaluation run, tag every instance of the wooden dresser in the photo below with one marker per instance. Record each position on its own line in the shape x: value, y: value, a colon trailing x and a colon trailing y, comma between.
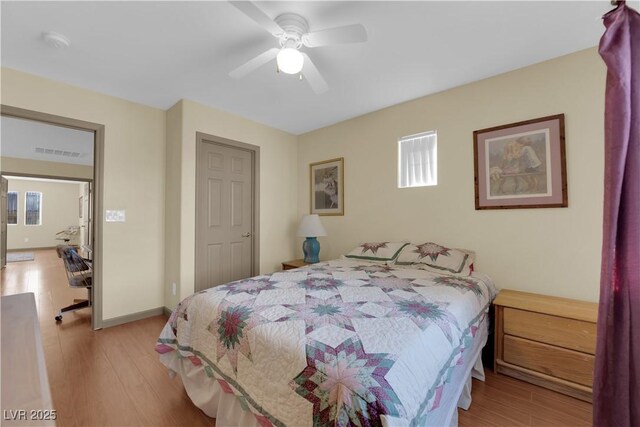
x: 547, y: 341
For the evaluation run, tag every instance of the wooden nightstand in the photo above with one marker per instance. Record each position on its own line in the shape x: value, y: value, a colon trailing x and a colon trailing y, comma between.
x: 547, y: 341
x: 296, y: 263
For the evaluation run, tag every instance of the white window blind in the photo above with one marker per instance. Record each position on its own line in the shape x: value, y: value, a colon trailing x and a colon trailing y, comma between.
x: 418, y: 160
x: 32, y: 208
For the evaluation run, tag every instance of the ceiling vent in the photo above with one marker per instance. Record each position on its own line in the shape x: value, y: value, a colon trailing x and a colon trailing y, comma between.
x: 54, y: 152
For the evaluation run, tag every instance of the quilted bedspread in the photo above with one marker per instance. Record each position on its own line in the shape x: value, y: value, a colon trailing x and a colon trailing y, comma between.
x: 336, y: 343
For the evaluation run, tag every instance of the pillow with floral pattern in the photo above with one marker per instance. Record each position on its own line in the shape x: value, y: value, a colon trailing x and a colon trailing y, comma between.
x: 377, y: 251
x: 437, y: 258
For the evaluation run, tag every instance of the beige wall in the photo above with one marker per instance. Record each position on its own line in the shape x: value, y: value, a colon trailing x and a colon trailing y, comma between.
x: 59, y: 210
x: 278, y: 187
x: 9, y: 165
x: 139, y: 164
x: 549, y: 251
x: 134, y: 177
x: 150, y: 172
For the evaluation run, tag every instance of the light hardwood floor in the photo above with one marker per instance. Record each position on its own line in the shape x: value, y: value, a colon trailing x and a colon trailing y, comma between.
x: 113, y: 377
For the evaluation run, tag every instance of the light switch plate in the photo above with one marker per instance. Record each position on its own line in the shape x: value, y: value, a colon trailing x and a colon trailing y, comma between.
x: 115, y: 216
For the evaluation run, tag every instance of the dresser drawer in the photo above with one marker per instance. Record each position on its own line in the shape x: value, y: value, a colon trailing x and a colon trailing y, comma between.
x: 559, y: 331
x: 557, y: 362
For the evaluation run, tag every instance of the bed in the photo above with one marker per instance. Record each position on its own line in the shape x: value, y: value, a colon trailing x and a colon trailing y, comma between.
x: 343, y: 342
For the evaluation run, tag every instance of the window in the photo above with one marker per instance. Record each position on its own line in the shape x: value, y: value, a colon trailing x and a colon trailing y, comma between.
x: 417, y: 160
x: 32, y: 208
x: 12, y: 208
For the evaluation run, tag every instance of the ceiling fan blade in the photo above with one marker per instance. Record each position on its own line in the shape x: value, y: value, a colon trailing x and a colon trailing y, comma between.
x: 261, y: 18
x: 255, y: 63
x: 355, y: 33
x: 311, y: 73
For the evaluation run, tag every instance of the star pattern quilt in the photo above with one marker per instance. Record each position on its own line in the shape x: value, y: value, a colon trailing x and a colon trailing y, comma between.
x: 333, y: 344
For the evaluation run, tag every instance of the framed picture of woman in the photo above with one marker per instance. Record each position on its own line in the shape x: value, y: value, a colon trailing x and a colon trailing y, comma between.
x: 327, y: 187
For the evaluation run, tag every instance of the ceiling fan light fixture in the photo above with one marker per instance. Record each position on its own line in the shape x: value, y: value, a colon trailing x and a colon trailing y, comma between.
x: 290, y: 60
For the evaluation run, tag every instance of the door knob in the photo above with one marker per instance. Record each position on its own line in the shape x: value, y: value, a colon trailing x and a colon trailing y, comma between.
x: 247, y: 234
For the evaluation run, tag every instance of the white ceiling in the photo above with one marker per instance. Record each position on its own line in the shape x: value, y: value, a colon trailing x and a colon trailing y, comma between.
x: 156, y: 53
x: 19, y: 138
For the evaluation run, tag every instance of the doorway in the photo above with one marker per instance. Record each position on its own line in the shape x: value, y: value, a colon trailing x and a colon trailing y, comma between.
x: 42, y: 213
x: 38, y: 159
x: 227, y: 211
x: 4, y: 218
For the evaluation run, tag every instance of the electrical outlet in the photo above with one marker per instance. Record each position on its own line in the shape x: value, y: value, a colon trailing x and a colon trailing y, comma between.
x: 26, y: 240
x: 173, y: 288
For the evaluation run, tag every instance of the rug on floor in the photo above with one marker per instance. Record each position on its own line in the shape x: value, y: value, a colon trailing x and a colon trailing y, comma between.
x: 19, y: 256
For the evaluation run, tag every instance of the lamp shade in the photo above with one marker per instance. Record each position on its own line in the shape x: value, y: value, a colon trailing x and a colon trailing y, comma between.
x: 310, y: 226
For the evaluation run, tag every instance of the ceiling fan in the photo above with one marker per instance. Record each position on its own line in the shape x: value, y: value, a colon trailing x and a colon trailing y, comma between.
x: 292, y: 32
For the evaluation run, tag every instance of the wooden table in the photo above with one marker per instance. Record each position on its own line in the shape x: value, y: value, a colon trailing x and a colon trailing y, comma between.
x: 296, y: 263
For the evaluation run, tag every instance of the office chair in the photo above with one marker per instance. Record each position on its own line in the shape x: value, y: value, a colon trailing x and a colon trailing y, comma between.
x: 79, y: 275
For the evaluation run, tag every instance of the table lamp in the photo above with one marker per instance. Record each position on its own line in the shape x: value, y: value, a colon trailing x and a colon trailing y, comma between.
x: 311, y: 227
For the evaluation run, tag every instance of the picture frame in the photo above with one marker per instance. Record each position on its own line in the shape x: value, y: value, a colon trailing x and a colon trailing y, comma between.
x: 521, y: 165
x: 327, y: 187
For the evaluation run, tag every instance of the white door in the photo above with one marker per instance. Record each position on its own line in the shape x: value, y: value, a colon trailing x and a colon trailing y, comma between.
x: 90, y: 213
x: 224, y: 214
x: 4, y: 189
x: 86, y: 226
x: 86, y: 216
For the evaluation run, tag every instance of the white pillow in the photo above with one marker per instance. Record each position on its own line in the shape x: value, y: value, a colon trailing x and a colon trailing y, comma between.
x: 437, y: 258
x: 377, y: 251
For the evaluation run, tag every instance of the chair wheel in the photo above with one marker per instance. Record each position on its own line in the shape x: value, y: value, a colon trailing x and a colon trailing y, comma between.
x: 59, y: 318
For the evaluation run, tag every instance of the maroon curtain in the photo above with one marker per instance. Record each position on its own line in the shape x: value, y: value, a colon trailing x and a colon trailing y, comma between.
x: 616, y: 384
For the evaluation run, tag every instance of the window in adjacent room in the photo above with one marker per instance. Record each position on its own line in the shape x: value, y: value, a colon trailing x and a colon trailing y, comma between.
x: 12, y: 208
x: 32, y: 208
x: 418, y: 160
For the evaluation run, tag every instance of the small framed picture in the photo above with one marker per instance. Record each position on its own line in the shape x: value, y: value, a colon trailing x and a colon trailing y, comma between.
x: 521, y: 165
x: 327, y: 187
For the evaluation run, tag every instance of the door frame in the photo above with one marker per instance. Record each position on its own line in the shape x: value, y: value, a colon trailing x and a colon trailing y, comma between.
x: 4, y: 226
x: 254, y: 150
x: 98, y: 189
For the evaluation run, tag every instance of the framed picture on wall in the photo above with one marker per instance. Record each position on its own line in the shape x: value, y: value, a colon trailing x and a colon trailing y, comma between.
x: 327, y: 187
x: 521, y: 165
